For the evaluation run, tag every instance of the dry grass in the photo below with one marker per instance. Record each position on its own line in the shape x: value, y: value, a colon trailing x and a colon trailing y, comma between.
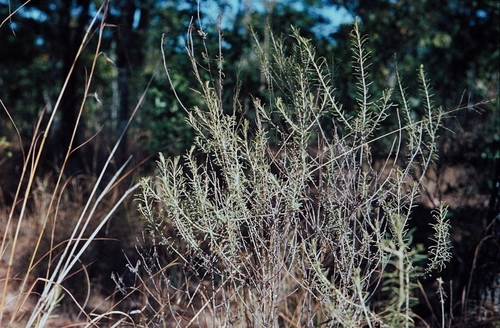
x: 52, y: 222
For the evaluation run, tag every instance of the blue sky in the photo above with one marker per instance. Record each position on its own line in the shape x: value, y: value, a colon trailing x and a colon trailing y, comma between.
x: 336, y: 16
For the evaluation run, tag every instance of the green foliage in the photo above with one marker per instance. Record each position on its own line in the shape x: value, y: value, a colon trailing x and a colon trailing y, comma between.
x: 4, y: 147
x: 455, y: 39
x: 301, y: 229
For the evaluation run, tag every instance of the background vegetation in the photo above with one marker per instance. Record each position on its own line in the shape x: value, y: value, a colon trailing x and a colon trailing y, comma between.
x: 119, y: 66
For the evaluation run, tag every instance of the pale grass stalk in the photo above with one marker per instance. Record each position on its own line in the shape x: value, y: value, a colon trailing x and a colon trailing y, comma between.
x: 76, y: 245
x: 3, y: 248
x: 12, y: 13
x: 33, y: 167
x: 442, y: 297
x: 70, y: 255
x: 102, y: 9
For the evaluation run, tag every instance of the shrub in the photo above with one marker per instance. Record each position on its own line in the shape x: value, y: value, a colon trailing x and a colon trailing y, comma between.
x: 288, y: 220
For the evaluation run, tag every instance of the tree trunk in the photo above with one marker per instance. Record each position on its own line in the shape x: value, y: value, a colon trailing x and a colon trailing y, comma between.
x: 127, y: 10
x: 69, y: 40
